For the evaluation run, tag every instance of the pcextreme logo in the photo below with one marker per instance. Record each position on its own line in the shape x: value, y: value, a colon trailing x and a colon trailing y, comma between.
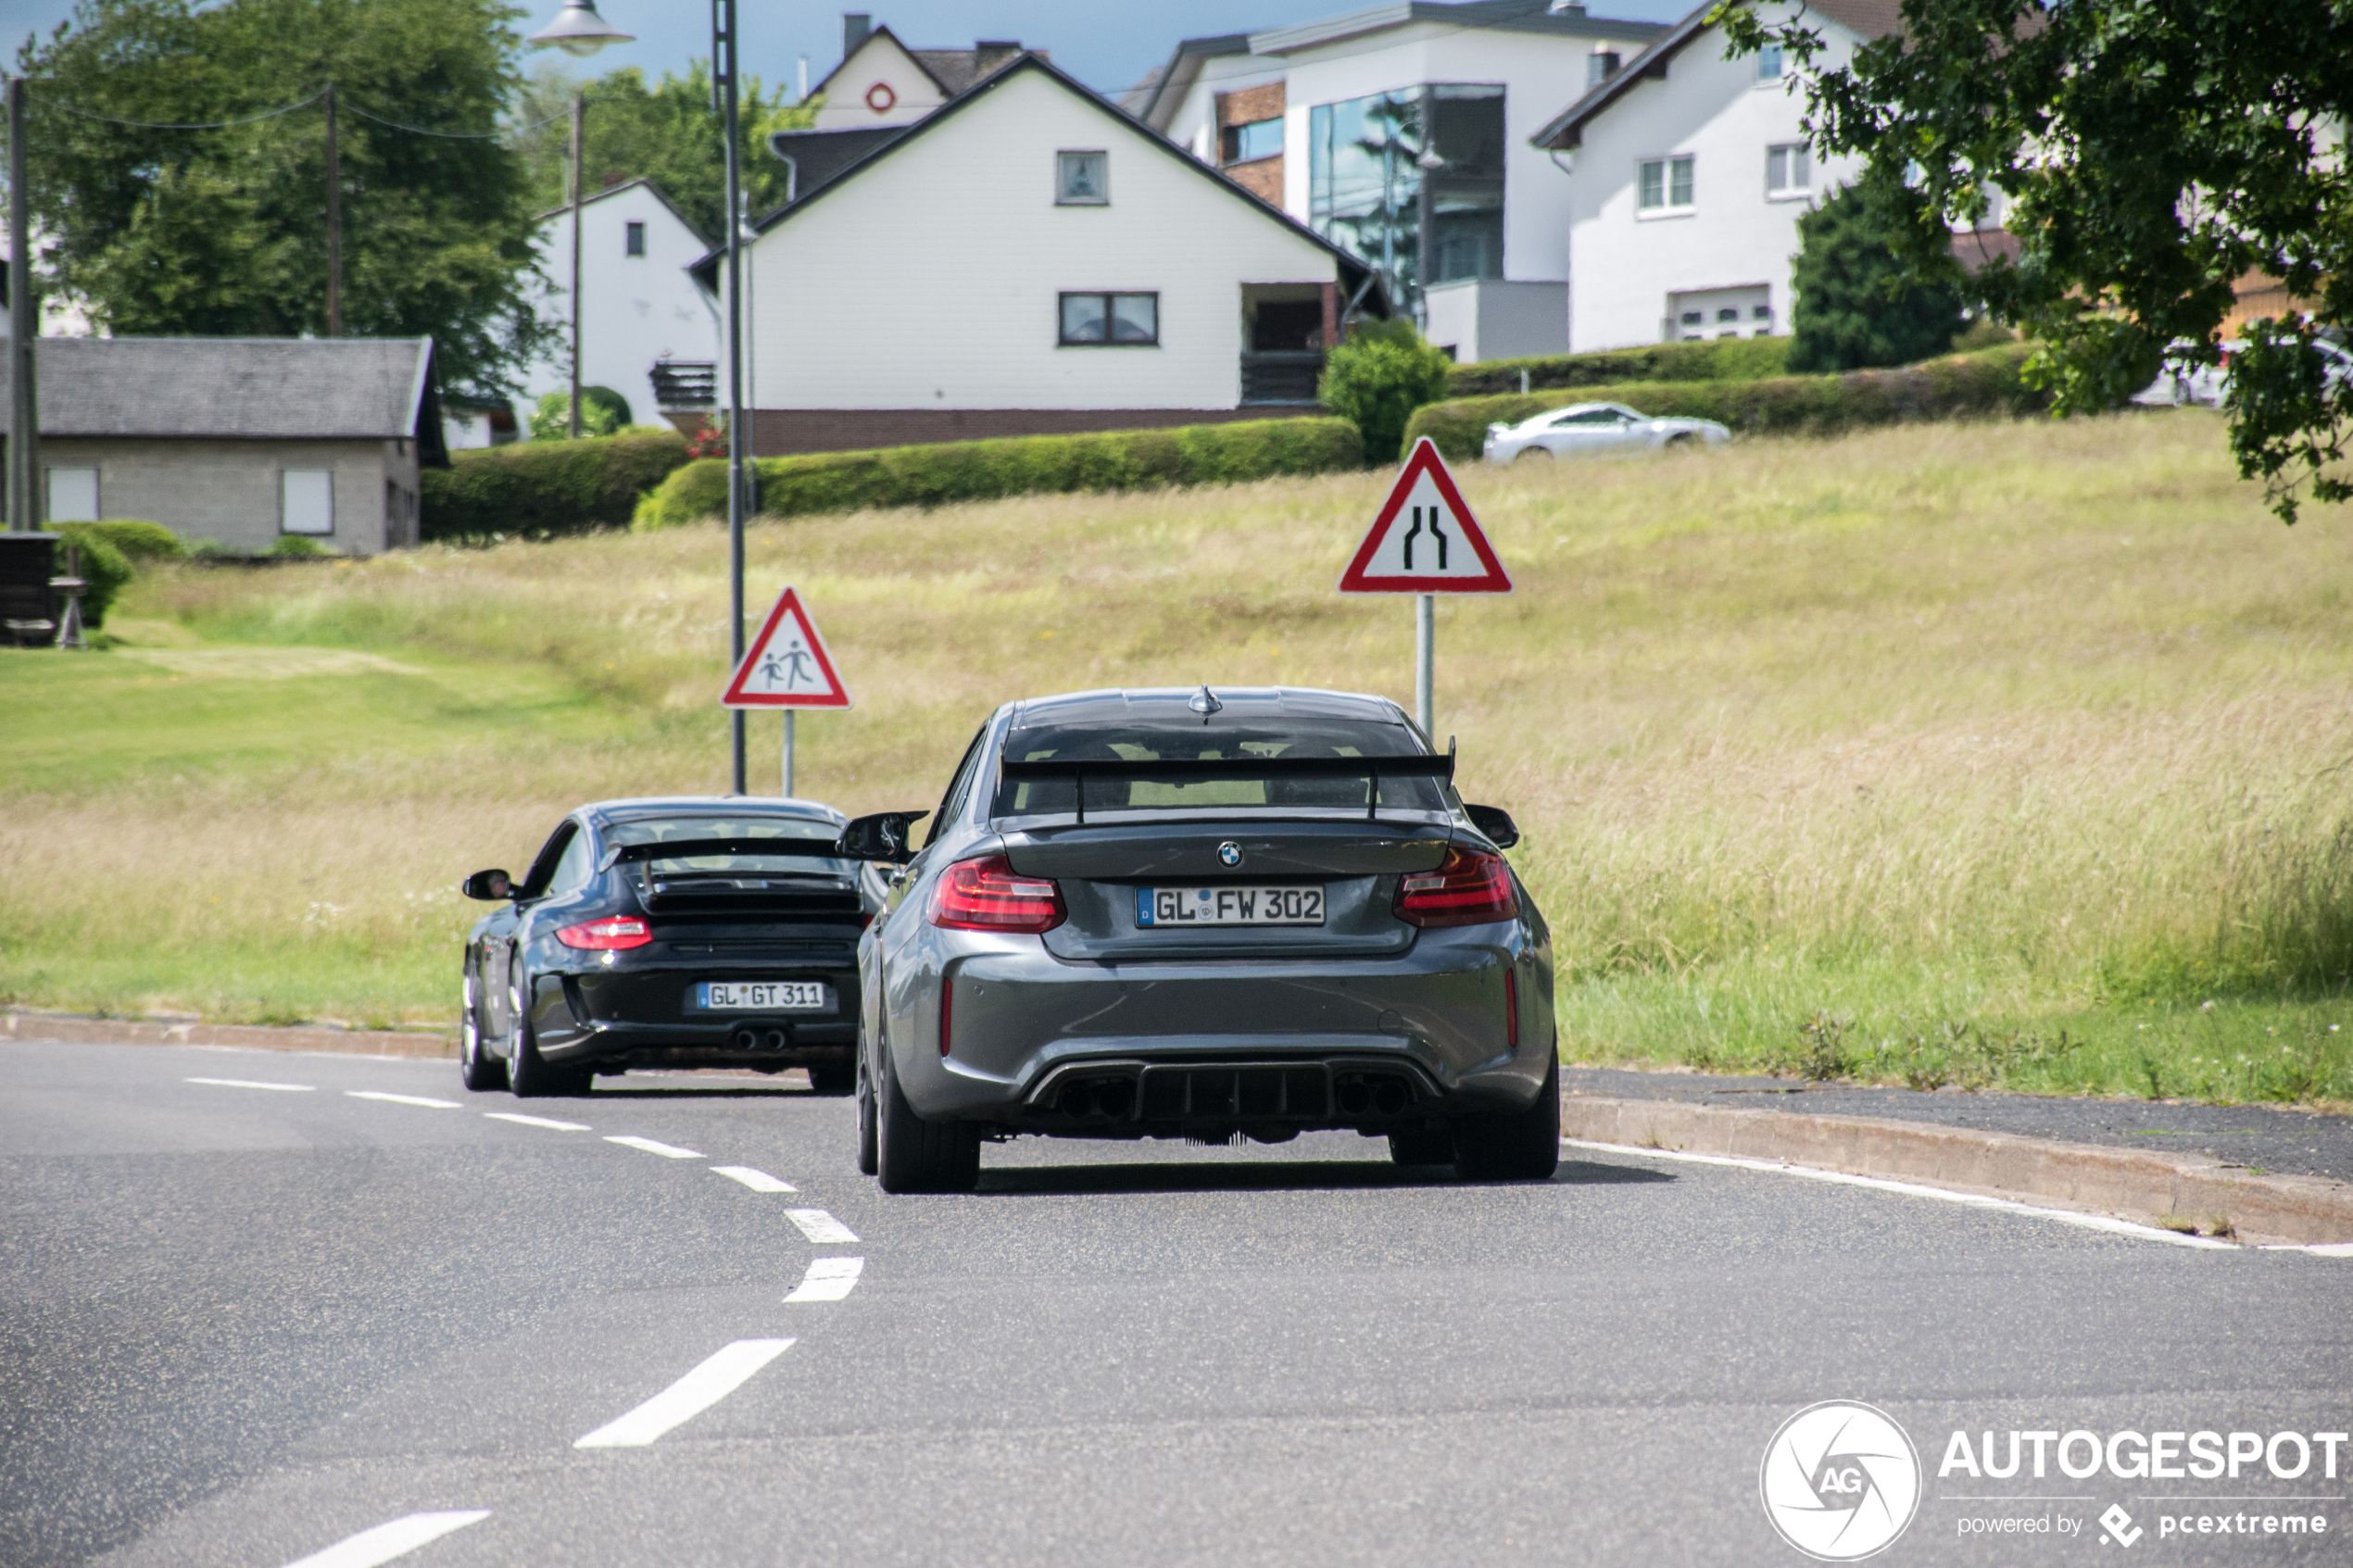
x: 1840, y: 1480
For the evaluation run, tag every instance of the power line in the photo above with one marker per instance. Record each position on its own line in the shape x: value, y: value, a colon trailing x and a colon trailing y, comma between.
x: 175, y: 125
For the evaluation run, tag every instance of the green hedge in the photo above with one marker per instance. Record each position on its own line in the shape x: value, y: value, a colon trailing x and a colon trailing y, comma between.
x: 1983, y: 382
x: 1029, y: 465
x: 106, y: 569
x: 1743, y: 358
x: 541, y: 487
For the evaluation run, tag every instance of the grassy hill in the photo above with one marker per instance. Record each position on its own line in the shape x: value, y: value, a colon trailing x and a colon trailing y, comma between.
x: 1968, y: 753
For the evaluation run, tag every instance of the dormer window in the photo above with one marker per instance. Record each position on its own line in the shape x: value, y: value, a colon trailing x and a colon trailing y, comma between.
x: 1082, y: 178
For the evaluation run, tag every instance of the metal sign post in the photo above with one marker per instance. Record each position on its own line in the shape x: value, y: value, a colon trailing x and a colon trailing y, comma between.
x: 1425, y: 542
x: 790, y: 714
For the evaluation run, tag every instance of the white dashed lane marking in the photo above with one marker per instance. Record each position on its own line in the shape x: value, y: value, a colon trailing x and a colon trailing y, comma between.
x: 668, y: 1152
x: 387, y: 1541
x: 820, y: 1227
x: 828, y: 1279
x: 1913, y: 1189
x: 519, y: 1120
x: 249, y: 1083
x: 689, y: 1397
x: 758, y: 1181
x: 401, y: 1099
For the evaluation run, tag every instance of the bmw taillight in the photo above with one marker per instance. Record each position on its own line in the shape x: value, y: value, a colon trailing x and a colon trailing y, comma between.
x: 1469, y: 887
x: 986, y: 895
x: 620, y: 931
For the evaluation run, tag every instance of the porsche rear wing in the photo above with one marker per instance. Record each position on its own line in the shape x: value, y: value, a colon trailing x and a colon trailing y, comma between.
x: 1372, y: 770
x: 678, y: 849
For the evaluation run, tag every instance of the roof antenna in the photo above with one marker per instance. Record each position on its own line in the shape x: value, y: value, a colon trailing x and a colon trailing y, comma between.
x: 1203, y: 703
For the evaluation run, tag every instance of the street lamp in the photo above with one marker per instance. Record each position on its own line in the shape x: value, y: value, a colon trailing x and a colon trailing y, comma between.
x: 580, y: 30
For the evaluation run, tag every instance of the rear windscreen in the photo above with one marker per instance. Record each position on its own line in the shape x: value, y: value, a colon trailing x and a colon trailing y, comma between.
x: 803, y: 845
x: 1216, y: 741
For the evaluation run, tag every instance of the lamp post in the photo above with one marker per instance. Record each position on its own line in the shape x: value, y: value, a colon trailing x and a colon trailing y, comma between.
x: 579, y: 30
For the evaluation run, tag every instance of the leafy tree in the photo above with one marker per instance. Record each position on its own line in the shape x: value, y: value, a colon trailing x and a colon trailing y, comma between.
x: 166, y: 231
x: 1858, y: 305
x: 2155, y: 152
x: 668, y: 133
x: 1377, y: 377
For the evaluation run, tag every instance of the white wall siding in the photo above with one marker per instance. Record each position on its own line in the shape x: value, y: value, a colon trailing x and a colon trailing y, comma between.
x: 930, y: 280
x: 1626, y: 270
x: 639, y: 309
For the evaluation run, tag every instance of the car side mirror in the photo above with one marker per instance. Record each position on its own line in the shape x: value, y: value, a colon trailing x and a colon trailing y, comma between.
x: 883, y: 837
x: 490, y: 887
x: 1495, y: 823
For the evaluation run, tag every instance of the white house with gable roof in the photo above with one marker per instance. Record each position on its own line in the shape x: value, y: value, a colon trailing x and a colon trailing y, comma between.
x: 1403, y: 135
x: 1687, y: 175
x: 1027, y: 259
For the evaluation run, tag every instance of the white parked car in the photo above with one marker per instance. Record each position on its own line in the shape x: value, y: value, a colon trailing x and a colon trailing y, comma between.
x: 1594, y: 430
x: 2205, y: 386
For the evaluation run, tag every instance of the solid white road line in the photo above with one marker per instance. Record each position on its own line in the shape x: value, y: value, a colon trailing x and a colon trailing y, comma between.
x: 668, y: 1152
x: 1911, y: 1189
x: 2318, y: 1249
x: 397, y: 1539
x: 519, y: 1120
x: 249, y: 1083
x: 689, y: 1397
x: 401, y: 1099
x: 828, y: 1279
x: 758, y: 1181
x: 818, y: 1225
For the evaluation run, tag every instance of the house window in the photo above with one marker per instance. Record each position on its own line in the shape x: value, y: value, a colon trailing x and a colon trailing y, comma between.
x: 73, y: 494
x: 1093, y: 321
x: 1247, y: 143
x: 1664, y: 185
x: 1082, y: 178
x: 1769, y: 63
x: 636, y: 239
x: 1789, y: 170
x: 307, y: 501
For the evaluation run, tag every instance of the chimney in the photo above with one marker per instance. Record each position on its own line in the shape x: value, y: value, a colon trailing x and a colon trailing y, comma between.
x: 1600, y: 66
x: 855, y: 25
x: 990, y: 53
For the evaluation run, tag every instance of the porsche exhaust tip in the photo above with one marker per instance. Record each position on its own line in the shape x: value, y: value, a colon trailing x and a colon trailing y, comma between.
x: 745, y: 1039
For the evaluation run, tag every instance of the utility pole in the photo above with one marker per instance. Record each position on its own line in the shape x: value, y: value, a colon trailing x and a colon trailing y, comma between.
x: 723, y: 49
x: 24, y: 334
x: 334, y: 223
x: 579, y: 182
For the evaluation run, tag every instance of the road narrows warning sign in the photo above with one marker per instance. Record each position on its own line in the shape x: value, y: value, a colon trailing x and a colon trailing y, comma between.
x: 1424, y: 540
x: 786, y: 665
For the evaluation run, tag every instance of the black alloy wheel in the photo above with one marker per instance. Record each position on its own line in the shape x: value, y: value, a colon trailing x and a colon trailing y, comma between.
x: 914, y: 1155
x: 1518, y: 1146
x: 527, y: 1071
x: 866, y: 1157
x: 481, y: 1072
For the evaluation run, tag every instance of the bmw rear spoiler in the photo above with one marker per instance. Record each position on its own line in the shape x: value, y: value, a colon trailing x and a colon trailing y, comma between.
x: 1196, y: 770
x: 677, y: 848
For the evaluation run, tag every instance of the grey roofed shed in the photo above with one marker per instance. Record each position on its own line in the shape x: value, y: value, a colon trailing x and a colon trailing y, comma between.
x: 239, y: 388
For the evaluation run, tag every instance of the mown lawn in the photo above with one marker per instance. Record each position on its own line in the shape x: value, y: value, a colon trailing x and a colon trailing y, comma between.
x: 1988, y: 752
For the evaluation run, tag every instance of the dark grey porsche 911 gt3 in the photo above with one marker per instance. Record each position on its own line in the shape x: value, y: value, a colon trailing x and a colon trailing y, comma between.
x: 689, y: 931
x: 1164, y: 913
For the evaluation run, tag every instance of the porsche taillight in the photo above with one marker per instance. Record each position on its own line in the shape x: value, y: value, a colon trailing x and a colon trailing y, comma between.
x: 1469, y: 887
x: 988, y: 895
x: 603, y: 935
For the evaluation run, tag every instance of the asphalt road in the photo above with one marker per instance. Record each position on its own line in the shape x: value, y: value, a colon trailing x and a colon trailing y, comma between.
x: 244, y: 1325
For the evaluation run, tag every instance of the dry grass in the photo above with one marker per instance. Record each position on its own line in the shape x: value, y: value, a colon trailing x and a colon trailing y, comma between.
x: 2039, y: 726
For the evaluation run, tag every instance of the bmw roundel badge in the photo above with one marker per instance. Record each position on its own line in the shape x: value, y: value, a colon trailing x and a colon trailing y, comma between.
x: 1229, y: 853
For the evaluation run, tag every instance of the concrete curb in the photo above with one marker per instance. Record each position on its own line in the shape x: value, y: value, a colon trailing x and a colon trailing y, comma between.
x: 2147, y: 1187
x: 72, y: 1030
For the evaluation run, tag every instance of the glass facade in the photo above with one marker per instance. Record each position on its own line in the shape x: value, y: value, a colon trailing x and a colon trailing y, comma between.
x: 1412, y: 183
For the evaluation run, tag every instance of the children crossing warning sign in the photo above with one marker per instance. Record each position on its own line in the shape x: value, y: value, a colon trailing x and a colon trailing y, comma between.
x: 1424, y: 540
x: 786, y: 665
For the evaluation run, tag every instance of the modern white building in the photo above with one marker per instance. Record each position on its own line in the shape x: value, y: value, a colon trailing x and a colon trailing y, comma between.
x: 1403, y: 135
x: 1687, y: 175
x: 1028, y: 259
x: 647, y: 331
